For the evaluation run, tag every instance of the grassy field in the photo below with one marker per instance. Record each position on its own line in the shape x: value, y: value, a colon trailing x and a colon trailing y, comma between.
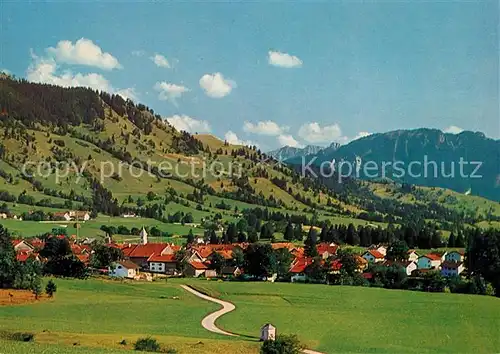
x: 98, y: 313
x: 353, y: 319
x: 94, y: 316
x: 92, y: 228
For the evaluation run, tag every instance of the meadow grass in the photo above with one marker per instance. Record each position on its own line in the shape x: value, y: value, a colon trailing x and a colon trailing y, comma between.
x: 354, y: 319
x: 101, y: 313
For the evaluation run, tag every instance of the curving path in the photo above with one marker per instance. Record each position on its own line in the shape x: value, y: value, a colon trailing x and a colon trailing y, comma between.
x: 209, y: 321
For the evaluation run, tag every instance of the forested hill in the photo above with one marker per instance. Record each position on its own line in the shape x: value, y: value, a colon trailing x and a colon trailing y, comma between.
x: 430, y: 145
x: 53, y: 125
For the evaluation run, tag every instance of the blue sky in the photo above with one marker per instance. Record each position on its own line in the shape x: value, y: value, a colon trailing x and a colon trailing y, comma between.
x: 273, y: 74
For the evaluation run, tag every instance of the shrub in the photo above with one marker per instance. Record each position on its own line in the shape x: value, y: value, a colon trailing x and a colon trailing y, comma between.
x: 147, y: 344
x: 282, y: 345
x: 51, y: 288
x: 23, y: 336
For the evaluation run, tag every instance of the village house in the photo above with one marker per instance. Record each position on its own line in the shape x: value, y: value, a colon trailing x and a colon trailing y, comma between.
x: 452, y: 269
x: 124, y: 269
x: 140, y: 254
x: 373, y: 256
x: 195, y: 269
x: 73, y: 215
x: 412, y: 256
x: 327, y: 250
x: 165, y: 264
x: 22, y: 246
x: 24, y: 256
x: 380, y: 248
x: 298, y: 268
x: 230, y: 271
x: 429, y: 261
x: 455, y: 256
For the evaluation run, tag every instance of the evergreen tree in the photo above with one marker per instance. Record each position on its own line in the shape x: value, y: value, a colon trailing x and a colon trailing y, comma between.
x: 242, y: 237
x: 36, y: 287
x: 231, y: 234
x: 352, y: 237
x: 310, y: 249
x: 323, y: 236
x: 460, y: 242
x: 213, y: 237
x: 436, y: 241
x: 190, y: 237
x: 289, y: 234
x: 451, y: 240
x: 297, y: 232
x: 410, y: 236
x: 51, y: 288
x: 253, y: 236
x: 7, y: 259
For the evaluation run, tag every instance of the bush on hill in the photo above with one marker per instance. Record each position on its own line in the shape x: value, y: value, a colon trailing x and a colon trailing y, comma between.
x: 284, y: 344
x: 147, y: 344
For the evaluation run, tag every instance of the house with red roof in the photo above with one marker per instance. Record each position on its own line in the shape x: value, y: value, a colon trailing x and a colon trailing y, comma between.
x: 430, y: 261
x: 164, y: 264
x: 37, y: 243
x: 195, y: 269
x: 22, y: 246
x: 139, y: 254
x: 327, y: 250
x: 24, y: 256
x: 373, y: 256
x: 380, y: 248
x: 298, y: 268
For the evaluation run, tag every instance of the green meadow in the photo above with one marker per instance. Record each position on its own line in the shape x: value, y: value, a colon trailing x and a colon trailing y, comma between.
x: 353, y: 319
x: 96, y: 313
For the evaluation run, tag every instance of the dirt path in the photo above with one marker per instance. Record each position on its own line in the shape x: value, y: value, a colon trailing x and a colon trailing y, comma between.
x: 209, y: 321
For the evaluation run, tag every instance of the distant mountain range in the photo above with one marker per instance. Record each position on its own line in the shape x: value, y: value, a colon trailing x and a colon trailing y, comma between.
x: 426, y: 157
x: 288, y: 152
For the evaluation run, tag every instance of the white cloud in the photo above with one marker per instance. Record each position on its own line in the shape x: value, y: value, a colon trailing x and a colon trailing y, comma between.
x: 233, y: 139
x: 283, y: 60
x: 264, y: 128
x: 170, y: 92
x: 83, y: 52
x: 188, y: 124
x: 160, y: 61
x: 128, y: 93
x: 453, y: 129
x: 361, y: 135
x: 216, y: 86
x: 288, y: 140
x: 314, y: 133
x: 45, y: 71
